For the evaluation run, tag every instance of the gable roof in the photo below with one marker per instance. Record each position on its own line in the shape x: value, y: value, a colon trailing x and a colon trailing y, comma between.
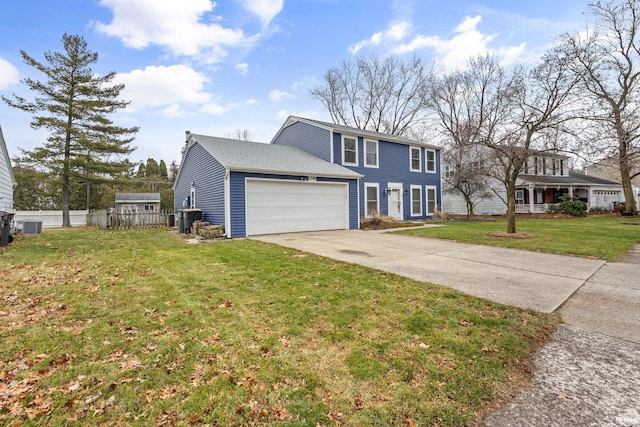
x: 354, y: 131
x: 4, y: 153
x: 245, y: 156
x: 574, y: 178
x: 137, y: 197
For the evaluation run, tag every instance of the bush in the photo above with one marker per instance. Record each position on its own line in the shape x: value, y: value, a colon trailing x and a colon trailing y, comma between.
x: 598, y: 210
x: 569, y: 205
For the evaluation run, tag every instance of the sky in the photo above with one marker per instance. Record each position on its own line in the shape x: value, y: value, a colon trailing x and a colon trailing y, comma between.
x: 214, y: 67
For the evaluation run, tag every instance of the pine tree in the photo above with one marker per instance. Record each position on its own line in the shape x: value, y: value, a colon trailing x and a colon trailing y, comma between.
x: 73, y: 104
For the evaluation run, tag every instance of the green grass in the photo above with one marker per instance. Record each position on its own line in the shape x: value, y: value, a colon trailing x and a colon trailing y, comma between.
x: 602, y: 237
x: 137, y: 327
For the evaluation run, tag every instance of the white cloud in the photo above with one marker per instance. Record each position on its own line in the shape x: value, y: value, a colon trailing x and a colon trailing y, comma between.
x: 467, y: 42
x: 174, y: 111
x: 393, y: 34
x: 8, y: 74
x: 252, y: 101
x: 278, y: 95
x: 265, y: 10
x: 214, y: 109
x: 176, y: 26
x: 157, y: 86
x: 243, y: 68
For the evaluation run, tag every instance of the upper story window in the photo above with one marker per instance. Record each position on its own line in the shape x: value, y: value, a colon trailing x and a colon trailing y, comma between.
x: 415, y: 159
x: 349, y: 150
x: 430, y: 161
x: 371, y: 154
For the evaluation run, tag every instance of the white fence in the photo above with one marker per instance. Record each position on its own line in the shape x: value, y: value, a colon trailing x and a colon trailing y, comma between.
x: 53, y: 219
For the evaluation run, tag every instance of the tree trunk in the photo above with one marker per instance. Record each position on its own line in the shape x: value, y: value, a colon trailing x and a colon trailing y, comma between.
x: 66, y: 220
x: 627, y: 187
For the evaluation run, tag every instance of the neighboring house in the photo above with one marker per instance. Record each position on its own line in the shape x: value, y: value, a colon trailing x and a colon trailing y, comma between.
x: 545, y: 178
x: 130, y: 203
x: 610, y: 170
x: 7, y: 179
x: 253, y: 188
x: 399, y: 177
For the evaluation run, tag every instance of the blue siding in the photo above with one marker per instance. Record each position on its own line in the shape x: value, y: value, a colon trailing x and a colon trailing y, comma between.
x: 207, y: 174
x: 312, y: 139
x: 238, y: 206
x: 393, y: 166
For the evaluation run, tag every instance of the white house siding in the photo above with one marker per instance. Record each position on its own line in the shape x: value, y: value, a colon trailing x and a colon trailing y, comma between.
x: 7, y: 180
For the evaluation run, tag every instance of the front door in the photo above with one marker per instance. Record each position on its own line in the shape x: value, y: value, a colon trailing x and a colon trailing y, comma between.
x: 395, y: 203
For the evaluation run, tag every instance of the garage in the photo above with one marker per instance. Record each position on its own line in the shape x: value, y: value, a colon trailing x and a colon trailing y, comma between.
x: 285, y: 206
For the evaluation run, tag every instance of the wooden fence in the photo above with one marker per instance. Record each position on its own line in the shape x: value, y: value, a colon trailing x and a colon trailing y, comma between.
x: 114, y: 220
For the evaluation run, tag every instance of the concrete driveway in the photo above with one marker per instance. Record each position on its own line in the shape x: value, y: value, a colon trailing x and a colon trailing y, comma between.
x: 587, y: 376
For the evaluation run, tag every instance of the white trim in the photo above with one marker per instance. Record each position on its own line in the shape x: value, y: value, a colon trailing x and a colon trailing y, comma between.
x: 419, y: 188
x: 411, y: 148
x: 426, y: 197
x: 396, y: 186
x: 377, y: 187
x: 342, y: 147
x: 426, y: 163
x: 366, y: 165
x: 331, y: 147
x: 227, y: 203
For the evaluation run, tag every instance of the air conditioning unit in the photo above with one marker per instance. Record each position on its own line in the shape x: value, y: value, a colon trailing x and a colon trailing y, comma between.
x: 30, y: 226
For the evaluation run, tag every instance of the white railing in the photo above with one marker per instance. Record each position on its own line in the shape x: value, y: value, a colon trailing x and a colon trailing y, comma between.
x: 526, y: 208
x: 53, y: 219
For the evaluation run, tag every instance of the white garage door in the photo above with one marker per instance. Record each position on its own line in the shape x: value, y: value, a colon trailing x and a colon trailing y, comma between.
x: 291, y: 206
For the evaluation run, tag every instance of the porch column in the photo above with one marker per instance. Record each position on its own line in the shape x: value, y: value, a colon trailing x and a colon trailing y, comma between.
x: 531, y: 197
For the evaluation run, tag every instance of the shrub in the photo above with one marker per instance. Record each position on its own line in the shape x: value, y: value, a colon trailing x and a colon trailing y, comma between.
x: 569, y: 205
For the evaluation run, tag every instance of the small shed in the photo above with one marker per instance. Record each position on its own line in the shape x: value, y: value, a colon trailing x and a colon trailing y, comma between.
x: 128, y: 203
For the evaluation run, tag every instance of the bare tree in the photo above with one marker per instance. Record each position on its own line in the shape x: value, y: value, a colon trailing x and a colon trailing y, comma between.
x: 241, y: 134
x: 509, y: 113
x: 450, y: 97
x: 607, y: 62
x: 382, y: 95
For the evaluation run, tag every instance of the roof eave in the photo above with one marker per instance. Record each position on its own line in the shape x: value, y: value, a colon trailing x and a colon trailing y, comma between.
x: 295, y: 173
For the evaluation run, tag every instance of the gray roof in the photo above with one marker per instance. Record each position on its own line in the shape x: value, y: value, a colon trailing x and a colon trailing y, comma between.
x: 574, y: 178
x: 245, y: 156
x: 137, y: 197
x: 355, y: 131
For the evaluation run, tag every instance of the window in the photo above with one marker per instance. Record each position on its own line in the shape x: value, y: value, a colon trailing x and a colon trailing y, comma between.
x: 416, y: 159
x: 448, y: 172
x: 149, y: 208
x: 416, y: 200
x: 371, y: 154
x: 430, y: 161
x: 519, y: 197
x: 432, y: 203
x: 371, y: 203
x: 349, y: 151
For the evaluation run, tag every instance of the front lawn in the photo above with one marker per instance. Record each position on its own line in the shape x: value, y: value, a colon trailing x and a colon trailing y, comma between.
x: 599, y: 236
x: 137, y: 327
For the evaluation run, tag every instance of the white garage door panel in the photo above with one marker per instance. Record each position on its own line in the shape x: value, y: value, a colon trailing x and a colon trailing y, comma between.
x: 291, y: 206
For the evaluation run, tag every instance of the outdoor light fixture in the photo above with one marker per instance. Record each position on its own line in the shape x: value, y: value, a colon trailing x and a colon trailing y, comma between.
x: 387, y: 191
x: 405, y: 192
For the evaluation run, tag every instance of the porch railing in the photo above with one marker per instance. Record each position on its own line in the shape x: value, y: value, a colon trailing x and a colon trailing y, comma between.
x: 526, y: 208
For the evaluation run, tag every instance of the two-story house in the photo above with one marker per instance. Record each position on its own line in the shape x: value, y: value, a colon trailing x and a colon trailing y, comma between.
x: 400, y: 176
x: 313, y: 176
x: 545, y: 178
